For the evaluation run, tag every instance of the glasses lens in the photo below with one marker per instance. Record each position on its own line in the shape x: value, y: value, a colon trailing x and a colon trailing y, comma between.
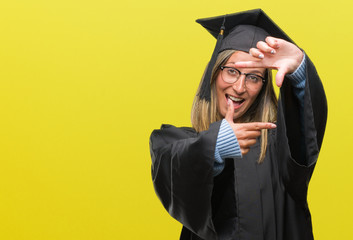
x: 230, y: 75
x: 253, y: 81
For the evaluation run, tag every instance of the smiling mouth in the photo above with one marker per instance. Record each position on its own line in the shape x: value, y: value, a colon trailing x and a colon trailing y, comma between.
x: 237, y: 102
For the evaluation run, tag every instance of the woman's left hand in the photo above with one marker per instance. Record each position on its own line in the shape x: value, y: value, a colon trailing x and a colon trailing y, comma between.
x: 275, y: 53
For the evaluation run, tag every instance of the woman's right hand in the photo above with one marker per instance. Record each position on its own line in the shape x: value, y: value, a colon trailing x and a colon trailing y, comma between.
x: 275, y: 53
x: 246, y: 133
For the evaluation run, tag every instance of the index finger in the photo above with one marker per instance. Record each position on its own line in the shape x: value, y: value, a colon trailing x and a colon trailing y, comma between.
x: 230, y: 111
x: 250, y: 64
x: 272, y: 42
x: 260, y: 125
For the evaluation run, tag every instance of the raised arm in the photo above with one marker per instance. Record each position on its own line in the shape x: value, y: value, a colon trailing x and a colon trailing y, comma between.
x: 301, y: 121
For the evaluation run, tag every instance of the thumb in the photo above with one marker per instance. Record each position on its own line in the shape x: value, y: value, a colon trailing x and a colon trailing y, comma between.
x: 230, y: 111
x: 280, y: 76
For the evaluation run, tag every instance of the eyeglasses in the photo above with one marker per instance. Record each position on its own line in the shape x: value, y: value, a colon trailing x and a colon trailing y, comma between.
x: 231, y: 75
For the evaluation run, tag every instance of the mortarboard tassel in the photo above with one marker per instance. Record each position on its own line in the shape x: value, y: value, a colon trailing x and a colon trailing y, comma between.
x: 205, y: 91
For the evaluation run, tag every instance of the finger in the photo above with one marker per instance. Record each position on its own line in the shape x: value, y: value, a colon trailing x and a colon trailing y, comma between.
x: 248, y: 143
x: 247, y: 134
x: 230, y: 111
x: 256, y: 53
x: 272, y: 42
x: 249, y: 64
x: 264, y: 47
x: 259, y: 125
x: 280, y: 77
x: 244, y: 151
x: 251, y: 134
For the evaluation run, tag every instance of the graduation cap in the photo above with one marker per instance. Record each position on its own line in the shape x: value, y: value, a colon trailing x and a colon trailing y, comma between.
x: 238, y: 31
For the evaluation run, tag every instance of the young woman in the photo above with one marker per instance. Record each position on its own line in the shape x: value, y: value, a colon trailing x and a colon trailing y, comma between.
x: 242, y: 171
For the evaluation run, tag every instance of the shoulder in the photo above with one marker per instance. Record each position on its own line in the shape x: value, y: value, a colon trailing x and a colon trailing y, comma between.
x: 167, y: 129
x: 169, y: 133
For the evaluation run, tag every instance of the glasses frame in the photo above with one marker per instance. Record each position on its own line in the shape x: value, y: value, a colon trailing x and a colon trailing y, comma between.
x: 241, y: 73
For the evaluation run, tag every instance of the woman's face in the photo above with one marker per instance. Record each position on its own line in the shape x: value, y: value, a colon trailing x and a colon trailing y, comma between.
x: 242, y: 97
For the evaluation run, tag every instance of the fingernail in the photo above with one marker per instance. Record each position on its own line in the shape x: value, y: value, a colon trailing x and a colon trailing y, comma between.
x: 261, y: 56
x: 273, y: 125
x: 273, y: 51
x: 229, y: 102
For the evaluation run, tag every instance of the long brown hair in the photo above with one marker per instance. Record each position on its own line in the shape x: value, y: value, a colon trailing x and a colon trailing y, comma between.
x: 264, y: 108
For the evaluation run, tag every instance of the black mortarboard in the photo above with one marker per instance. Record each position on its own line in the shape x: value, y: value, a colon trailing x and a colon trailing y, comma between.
x: 238, y: 31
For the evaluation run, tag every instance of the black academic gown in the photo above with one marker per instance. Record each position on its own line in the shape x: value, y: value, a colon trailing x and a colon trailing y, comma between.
x: 248, y: 200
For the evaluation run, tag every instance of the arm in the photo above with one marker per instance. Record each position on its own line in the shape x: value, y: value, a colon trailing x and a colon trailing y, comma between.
x: 298, y: 162
x: 310, y: 113
x: 182, y: 172
x: 297, y: 80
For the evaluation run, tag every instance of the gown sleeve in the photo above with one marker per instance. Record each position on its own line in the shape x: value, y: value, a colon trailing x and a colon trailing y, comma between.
x: 182, y: 173
x: 296, y: 167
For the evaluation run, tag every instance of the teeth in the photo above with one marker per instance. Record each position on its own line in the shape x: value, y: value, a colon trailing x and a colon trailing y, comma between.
x: 235, y: 99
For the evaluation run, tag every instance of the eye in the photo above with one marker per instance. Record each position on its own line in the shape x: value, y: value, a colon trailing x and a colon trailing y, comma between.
x: 232, y: 72
x: 253, y: 78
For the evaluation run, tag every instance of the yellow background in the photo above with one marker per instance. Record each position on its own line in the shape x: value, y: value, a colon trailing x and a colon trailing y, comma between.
x: 84, y: 82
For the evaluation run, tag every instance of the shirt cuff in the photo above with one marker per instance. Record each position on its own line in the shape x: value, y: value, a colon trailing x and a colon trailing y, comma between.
x: 227, y: 143
x: 227, y: 146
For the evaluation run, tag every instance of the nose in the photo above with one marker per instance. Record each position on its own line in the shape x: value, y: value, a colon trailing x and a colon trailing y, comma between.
x: 239, y: 85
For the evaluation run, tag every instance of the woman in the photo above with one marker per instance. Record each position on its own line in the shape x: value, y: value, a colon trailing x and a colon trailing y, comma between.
x: 236, y: 174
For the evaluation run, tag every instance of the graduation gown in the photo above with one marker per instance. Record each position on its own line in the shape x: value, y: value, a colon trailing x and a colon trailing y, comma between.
x: 248, y: 200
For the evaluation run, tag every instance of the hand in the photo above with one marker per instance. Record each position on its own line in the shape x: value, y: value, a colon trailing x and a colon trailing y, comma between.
x: 275, y: 53
x: 246, y: 133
